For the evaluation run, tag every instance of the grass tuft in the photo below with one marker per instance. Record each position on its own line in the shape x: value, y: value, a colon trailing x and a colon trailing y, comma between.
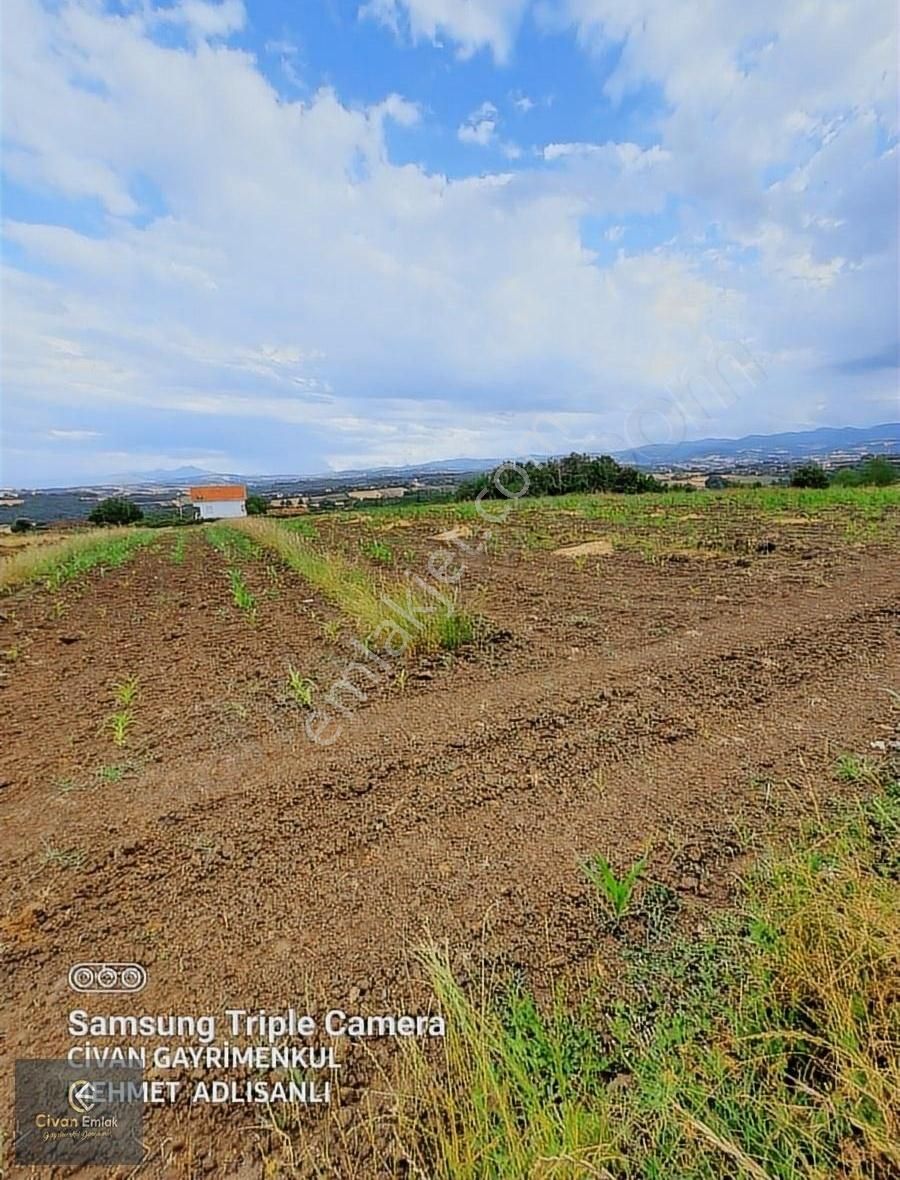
x: 300, y: 689
x: 61, y: 561
x: 769, y: 1048
x: 243, y: 597
x: 616, y: 892
x: 374, y: 606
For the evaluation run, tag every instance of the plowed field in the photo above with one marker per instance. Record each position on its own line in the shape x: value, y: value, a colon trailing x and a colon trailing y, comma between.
x: 681, y: 697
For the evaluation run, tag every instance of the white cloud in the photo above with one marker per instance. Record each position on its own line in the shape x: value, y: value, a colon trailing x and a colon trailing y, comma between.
x: 749, y: 87
x: 204, y: 20
x: 470, y: 24
x: 400, y: 110
x: 74, y: 435
x: 288, y: 281
x: 480, y: 127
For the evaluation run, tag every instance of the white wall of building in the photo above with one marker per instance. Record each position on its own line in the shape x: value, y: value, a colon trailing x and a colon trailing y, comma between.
x: 221, y: 509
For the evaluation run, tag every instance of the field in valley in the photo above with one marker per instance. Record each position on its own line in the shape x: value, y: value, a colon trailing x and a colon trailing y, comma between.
x: 272, y: 762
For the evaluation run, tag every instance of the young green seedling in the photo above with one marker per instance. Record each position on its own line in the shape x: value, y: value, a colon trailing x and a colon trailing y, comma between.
x: 240, y: 592
x: 617, y: 892
x: 300, y: 688
x: 120, y: 723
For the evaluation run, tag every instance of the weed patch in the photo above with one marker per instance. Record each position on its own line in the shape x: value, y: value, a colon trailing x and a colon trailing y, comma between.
x: 233, y: 545
x: 378, y: 551
x: 300, y: 689
x: 179, y: 546
x: 371, y: 604
x: 63, y: 858
x: 240, y: 592
x: 61, y: 561
x: 769, y: 1048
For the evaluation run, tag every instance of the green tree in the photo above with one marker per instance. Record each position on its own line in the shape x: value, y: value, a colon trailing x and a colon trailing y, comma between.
x: 558, y: 477
x: 878, y: 471
x: 115, y: 510
x: 809, y: 475
x: 847, y: 477
x: 257, y: 505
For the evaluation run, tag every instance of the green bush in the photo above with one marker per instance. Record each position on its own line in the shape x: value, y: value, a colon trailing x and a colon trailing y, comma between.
x: 558, y: 477
x: 257, y: 505
x: 115, y: 510
x: 809, y: 475
x: 877, y: 472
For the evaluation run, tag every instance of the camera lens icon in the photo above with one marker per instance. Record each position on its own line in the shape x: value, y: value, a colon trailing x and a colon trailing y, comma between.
x: 107, y: 977
x: 132, y: 979
x: 81, y: 978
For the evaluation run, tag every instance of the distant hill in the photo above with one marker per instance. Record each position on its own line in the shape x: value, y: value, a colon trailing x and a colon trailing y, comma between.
x: 175, y: 476
x: 716, y: 452
x: 800, y: 444
x: 172, y: 476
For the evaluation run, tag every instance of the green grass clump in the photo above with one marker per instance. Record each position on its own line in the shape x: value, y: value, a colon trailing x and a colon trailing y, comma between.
x: 125, y: 692
x: 233, y: 545
x: 373, y: 605
x: 120, y: 724
x: 615, y: 892
x: 769, y: 1048
x: 513, y: 1098
x: 61, y: 561
x: 851, y: 768
x: 179, y: 546
x: 243, y: 597
x: 113, y: 773
x: 377, y: 551
x: 120, y: 721
x: 300, y: 688
x: 302, y: 525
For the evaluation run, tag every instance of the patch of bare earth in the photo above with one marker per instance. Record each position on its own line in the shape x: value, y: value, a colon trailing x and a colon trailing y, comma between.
x: 629, y: 707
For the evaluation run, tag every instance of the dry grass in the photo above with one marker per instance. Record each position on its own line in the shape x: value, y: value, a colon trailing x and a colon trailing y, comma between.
x: 768, y: 1050
x: 373, y: 604
x: 58, y: 561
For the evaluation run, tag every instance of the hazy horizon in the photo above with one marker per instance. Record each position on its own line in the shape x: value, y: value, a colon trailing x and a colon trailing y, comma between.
x: 157, y: 473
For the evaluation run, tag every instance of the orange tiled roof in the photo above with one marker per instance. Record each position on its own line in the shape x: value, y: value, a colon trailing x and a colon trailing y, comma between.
x: 216, y: 492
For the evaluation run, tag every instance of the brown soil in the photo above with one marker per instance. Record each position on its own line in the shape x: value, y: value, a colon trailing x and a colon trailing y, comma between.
x: 679, y: 707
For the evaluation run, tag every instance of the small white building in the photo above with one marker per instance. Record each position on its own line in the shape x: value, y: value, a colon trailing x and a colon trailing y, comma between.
x: 219, y: 501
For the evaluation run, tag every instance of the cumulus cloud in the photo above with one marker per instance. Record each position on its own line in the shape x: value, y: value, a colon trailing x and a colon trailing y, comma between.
x: 202, y: 19
x: 470, y: 24
x: 267, y: 281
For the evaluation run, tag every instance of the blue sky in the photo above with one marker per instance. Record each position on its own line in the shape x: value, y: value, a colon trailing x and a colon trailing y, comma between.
x: 273, y: 237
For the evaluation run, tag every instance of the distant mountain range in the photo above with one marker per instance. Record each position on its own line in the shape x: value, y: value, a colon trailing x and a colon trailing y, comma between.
x: 174, y: 476
x: 785, y: 447
x: 180, y: 476
x: 801, y: 444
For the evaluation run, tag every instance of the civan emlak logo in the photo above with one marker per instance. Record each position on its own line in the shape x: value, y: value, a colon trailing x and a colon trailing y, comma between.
x: 78, y: 1115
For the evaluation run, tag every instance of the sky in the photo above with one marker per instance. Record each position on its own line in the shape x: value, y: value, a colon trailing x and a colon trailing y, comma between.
x: 273, y: 236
